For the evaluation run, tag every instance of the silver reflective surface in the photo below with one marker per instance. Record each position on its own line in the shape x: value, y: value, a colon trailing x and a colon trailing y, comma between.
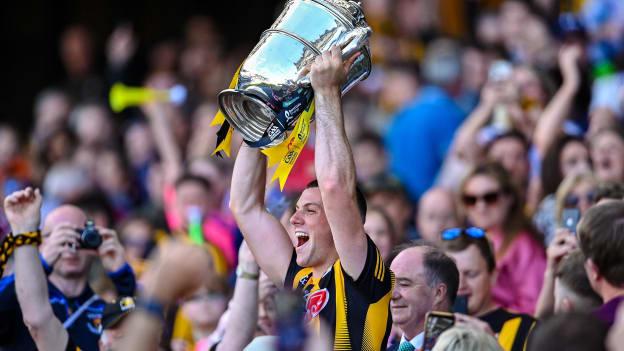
x: 271, y: 83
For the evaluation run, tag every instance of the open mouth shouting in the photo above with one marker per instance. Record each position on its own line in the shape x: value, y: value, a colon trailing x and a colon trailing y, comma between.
x: 302, y: 238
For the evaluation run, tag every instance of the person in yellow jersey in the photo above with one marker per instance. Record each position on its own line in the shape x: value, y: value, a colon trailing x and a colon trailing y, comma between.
x: 328, y: 256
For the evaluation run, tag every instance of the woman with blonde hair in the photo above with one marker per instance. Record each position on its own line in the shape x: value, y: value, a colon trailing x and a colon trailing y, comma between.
x: 462, y: 338
x: 491, y: 201
x: 578, y: 190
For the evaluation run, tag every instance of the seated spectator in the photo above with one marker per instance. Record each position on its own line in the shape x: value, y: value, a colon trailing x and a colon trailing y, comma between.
x: 426, y: 280
x: 475, y: 261
x: 574, y: 331
x: 379, y: 228
x: 466, y: 339
x: 491, y: 201
x: 602, y: 242
x: 436, y: 211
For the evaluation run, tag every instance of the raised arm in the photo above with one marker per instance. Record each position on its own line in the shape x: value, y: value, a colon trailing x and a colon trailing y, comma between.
x: 264, y: 234
x: 556, y: 112
x: 168, y: 149
x: 243, y: 308
x: 335, y: 170
x: 465, y: 146
x: 22, y: 210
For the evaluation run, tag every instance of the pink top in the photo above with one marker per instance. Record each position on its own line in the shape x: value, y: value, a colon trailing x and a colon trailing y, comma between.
x: 520, y: 273
x: 217, y: 229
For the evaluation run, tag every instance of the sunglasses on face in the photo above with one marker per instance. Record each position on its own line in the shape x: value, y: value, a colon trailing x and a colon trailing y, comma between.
x: 489, y: 198
x: 572, y: 200
x: 454, y: 233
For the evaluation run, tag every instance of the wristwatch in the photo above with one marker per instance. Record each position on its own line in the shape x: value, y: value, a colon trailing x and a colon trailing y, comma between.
x: 240, y: 273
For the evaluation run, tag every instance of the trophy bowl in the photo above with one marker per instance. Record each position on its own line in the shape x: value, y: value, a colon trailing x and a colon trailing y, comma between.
x: 272, y: 89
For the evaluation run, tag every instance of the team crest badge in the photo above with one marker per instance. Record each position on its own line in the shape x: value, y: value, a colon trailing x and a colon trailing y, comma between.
x: 316, y: 302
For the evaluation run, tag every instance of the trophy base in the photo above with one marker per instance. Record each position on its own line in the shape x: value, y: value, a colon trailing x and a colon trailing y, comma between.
x: 249, y: 115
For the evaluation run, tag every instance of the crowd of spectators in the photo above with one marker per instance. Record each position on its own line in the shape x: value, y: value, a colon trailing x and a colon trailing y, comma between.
x: 505, y: 117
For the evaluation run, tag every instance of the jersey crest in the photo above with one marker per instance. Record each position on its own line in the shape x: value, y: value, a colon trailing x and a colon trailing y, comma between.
x: 316, y: 302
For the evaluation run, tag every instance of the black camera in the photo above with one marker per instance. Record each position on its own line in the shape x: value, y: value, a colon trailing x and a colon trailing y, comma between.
x: 90, y: 237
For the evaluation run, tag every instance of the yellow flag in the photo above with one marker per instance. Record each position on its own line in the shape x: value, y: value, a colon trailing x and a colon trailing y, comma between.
x: 287, y: 152
x: 224, y: 145
x: 219, y: 119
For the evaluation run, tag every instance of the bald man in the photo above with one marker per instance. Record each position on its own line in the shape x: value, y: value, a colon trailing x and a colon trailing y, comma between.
x: 436, y: 212
x: 67, y: 267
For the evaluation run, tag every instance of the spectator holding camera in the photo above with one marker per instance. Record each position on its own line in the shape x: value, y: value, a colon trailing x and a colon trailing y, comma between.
x: 67, y: 261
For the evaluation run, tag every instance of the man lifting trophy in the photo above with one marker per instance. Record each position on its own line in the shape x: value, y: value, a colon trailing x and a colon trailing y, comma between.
x: 272, y: 89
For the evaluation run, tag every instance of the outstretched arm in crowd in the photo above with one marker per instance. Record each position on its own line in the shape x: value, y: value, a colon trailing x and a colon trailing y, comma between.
x: 465, y: 146
x: 264, y: 234
x: 243, y: 309
x: 335, y: 170
x: 22, y: 209
x: 179, y: 271
x: 550, y: 122
x: 158, y: 114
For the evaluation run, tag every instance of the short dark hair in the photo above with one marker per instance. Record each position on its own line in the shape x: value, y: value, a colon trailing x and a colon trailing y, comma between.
x: 569, y: 331
x: 609, y: 190
x: 463, y: 241
x: 511, y: 134
x: 439, y: 267
x: 359, y: 197
x: 571, y: 273
x: 191, y: 178
x: 601, y: 235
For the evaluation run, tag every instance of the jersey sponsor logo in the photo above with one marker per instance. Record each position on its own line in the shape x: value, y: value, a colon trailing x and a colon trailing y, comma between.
x: 316, y: 302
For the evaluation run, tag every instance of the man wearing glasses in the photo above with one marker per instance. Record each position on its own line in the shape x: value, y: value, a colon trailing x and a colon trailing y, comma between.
x: 477, y: 271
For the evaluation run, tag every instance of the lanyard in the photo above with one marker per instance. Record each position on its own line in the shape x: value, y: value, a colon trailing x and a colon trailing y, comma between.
x: 70, y: 321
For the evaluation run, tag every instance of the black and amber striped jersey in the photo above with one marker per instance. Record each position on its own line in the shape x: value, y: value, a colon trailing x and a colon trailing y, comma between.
x: 356, y: 311
x: 512, y: 329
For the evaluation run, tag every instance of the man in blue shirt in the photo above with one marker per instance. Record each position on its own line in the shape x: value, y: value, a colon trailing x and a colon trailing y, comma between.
x: 67, y: 267
x: 420, y: 135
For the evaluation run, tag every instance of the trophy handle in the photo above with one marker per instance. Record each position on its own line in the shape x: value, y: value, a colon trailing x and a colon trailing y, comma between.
x: 350, y: 43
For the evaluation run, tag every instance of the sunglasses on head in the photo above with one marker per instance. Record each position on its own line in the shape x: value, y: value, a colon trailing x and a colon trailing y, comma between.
x: 454, y: 233
x: 489, y: 198
x: 572, y: 200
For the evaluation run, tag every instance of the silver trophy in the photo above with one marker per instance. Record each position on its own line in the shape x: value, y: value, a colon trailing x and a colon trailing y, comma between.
x: 272, y: 89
